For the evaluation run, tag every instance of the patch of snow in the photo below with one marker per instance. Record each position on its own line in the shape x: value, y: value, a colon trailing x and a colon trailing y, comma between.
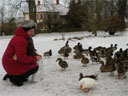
x: 65, y: 83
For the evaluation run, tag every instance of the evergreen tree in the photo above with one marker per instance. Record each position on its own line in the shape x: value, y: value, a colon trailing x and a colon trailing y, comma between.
x: 122, y: 5
x: 73, y: 16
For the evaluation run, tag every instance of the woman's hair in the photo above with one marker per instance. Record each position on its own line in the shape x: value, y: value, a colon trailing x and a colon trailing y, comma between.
x: 28, y: 25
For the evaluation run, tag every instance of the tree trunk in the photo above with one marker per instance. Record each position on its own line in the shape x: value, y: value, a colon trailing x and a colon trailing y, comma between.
x: 32, y: 10
x: 94, y: 18
x: 2, y: 13
x: 2, y: 27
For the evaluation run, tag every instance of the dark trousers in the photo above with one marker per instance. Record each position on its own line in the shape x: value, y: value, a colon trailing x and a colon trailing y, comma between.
x: 25, y: 75
x: 30, y: 72
x: 18, y: 80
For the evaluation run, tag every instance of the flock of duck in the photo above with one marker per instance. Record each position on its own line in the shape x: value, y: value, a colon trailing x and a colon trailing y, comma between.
x: 110, y: 59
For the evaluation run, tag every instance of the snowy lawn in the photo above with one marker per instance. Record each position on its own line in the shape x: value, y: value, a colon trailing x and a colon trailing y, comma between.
x: 65, y: 83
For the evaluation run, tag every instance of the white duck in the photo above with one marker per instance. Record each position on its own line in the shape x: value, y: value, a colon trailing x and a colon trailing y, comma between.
x: 87, y: 83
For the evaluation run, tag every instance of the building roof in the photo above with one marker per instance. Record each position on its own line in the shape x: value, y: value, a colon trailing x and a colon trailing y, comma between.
x: 63, y: 10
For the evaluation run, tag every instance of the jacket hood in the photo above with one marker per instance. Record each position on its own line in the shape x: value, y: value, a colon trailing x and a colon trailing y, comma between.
x: 20, y: 32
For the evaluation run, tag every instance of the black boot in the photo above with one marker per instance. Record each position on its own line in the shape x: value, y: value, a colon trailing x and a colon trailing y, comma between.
x: 5, y: 77
x: 16, y: 80
x: 24, y: 79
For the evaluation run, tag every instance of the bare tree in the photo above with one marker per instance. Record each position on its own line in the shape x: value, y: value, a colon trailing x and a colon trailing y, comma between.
x: 2, y: 13
x: 92, y: 16
x: 32, y: 9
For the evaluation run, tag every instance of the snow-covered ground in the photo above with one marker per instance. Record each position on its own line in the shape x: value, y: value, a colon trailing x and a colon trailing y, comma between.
x: 65, y: 83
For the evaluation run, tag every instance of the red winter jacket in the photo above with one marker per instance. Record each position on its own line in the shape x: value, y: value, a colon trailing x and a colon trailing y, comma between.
x: 18, y: 45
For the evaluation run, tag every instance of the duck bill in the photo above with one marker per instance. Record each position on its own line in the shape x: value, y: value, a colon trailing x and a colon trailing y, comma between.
x: 81, y: 87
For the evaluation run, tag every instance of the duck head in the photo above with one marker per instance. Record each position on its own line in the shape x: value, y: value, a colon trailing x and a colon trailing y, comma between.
x: 78, y: 43
x: 115, y: 45
x: 58, y: 59
x: 67, y: 43
x: 50, y: 51
x: 81, y: 76
x: 111, y: 45
x: 121, y: 50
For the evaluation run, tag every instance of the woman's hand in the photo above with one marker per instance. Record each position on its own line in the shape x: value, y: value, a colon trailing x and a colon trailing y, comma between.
x: 39, y: 57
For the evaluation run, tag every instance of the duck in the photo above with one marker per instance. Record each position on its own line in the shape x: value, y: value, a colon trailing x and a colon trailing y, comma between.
x: 111, y: 69
x: 89, y: 76
x: 115, y: 47
x: 106, y: 68
x: 121, y: 70
x: 66, y: 44
x: 108, y: 54
x: 102, y: 67
x: 118, y: 53
x: 66, y: 53
x: 111, y: 49
x: 100, y: 48
x: 68, y: 48
x: 48, y: 53
x: 126, y: 58
x: 87, y: 51
x: 95, y: 58
x: 93, y: 53
x: 78, y: 56
x: 86, y: 84
x: 125, y: 53
x: 101, y: 54
x: 77, y: 51
x: 109, y: 61
x: 121, y: 67
x: 78, y: 47
x: 63, y: 64
x: 61, y: 51
x: 84, y: 61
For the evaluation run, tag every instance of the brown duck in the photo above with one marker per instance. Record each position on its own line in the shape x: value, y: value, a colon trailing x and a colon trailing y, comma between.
x: 102, y: 67
x: 105, y: 68
x: 78, y: 56
x: 84, y: 61
x: 48, y: 53
x: 87, y: 76
x: 62, y: 64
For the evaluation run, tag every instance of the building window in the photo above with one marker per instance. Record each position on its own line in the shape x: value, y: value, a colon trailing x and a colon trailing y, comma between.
x: 37, y: 16
x: 41, y: 16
